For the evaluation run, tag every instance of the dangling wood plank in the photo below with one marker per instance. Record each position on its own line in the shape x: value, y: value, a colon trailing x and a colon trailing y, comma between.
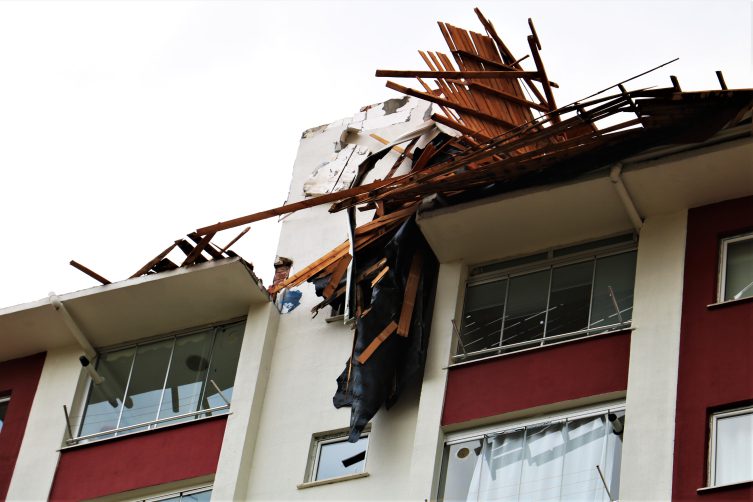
x: 376, y: 342
x: 409, y: 297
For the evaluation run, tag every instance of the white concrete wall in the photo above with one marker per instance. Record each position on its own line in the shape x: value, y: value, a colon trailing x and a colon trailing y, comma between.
x: 654, y: 353
x: 310, y: 354
x: 248, y: 398
x: 45, y: 429
x: 428, y: 439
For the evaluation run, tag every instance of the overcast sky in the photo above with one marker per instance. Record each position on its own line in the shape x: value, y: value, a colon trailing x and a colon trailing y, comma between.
x: 126, y: 125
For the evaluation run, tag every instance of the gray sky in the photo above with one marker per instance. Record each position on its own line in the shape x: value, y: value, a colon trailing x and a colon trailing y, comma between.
x: 125, y: 125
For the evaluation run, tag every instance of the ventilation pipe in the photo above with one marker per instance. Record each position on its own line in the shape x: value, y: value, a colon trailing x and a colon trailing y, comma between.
x: 615, y: 176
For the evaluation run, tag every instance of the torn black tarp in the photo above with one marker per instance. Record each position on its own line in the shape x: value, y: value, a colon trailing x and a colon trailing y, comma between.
x: 398, y: 360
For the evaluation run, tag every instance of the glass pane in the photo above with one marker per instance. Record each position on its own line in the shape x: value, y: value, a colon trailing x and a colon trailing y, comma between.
x: 526, y: 308
x: 460, y: 463
x: 147, y: 382
x: 739, y: 275
x: 497, y: 477
x: 106, y: 399
x: 585, y: 448
x: 541, y: 478
x: 187, y: 375
x: 570, y: 298
x: 734, y: 449
x: 341, y: 458
x: 204, y: 496
x: 3, y: 410
x: 481, y: 325
x: 613, y: 290
x: 225, y: 354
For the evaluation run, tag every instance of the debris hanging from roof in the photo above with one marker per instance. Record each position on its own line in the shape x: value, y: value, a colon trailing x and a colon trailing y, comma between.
x: 497, y: 129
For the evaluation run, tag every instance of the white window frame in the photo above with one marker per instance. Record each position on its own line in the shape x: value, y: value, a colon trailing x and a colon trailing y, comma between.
x: 513, y: 425
x: 724, y: 245
x: 536, y: 262
x: 323, y: 438
x: 715, y: 417
x: 118, y: 431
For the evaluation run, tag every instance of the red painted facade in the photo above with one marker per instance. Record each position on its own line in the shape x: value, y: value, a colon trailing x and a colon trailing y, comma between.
x: 141, y: 460
x: 716, y: 345
x: 19, y: 379
x: 574, y: 370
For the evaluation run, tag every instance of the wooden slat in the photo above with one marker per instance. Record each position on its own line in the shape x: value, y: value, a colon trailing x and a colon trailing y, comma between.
x: 376, y: 342
x: 237, y: 237
x: 89, y: 272
x: 409, y: 298
x: 194, y: 255
x: 540, y: 65
x: 290, y: 208
x: 503, y: 95
x: 422, y: 95
x: 146, y: 268
x: 379, y: 276
x: 214, y: 253
x: 459, y: 74
x: 337, y: 275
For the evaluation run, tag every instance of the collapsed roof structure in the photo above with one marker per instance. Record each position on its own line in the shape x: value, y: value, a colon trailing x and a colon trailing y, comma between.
x: 497, y: 129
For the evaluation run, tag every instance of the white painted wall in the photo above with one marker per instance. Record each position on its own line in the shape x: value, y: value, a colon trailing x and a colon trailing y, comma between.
x: 45, y: 429
x: 310, y: 354
x: 654, y: 353
x: 248, y: 398
x: 428, y: 440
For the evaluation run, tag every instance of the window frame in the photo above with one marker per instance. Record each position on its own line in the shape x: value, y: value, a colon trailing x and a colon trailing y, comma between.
x: 4, y: 399
x: 532, y: 263
x: 713, y: 420
x: 179, y: 493
x: 330, y: 437
x: 164, y: 421
x: 462, y: 436
x: 722, y: 275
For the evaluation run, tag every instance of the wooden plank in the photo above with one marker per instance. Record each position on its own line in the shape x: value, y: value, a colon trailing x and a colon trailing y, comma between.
x: 489, y: 27
x: 547, y: 87
x: 237, y: 237
x: 444, y: 102
x: 194, y: 255
x: 459, y: 74
x: 389, y: 221
x: 409, y: 298
x: 459, y: 127
x: 379, y: 276
x: 187, y: 248
x: 502, y: 95
x: 146, y: 268
x: 376, y: 342
x: 214, y: 253
x: 399, y: 161
x: 481, y: 59
x: 337, y: 275
x: 89, y: 272
x: 290, y: 208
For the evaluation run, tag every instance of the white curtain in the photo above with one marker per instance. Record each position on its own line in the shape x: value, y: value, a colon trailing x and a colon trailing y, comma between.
x: 551, y: 462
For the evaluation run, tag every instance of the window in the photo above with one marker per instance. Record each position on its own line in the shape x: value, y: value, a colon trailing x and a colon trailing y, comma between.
x: 563, y: 294
x: 4, y: 400
x: 332, y: 456
x: 575, y: 457
x: 731, y: 448
x: 167, y: 381
x: 736, y: 268
x: 196, y: 495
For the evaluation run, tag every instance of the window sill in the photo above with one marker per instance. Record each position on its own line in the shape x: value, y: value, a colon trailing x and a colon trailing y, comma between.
x: 717, y: 305
x: 712, y: 489
x: 311, y: 484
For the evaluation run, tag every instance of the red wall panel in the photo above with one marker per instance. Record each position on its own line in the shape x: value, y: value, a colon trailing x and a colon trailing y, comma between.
x: 19, y: 378
x: 548, y: 375
x: 140, y: 460
x: 715, y: 347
